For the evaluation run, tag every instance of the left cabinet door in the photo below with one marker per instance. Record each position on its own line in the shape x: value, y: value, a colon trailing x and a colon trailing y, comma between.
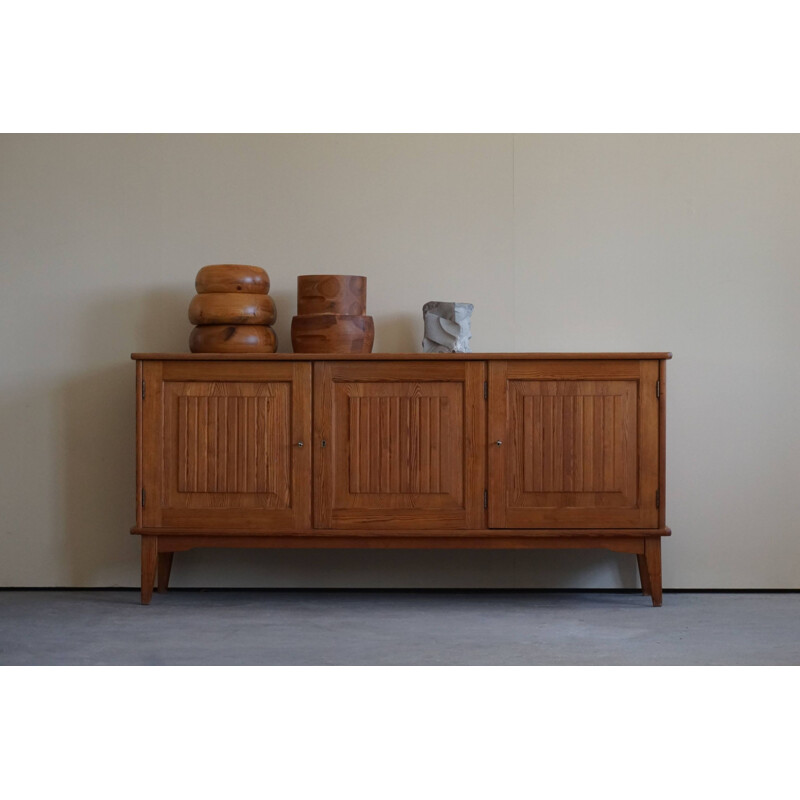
x: 222, y: 445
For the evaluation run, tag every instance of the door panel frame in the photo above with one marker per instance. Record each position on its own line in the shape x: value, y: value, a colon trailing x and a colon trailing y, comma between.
x: 157, y: 512
x: 644, y: 515
x: 471, y: 515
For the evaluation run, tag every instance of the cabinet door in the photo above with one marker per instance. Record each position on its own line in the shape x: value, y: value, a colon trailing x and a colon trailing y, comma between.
x: 220, y: 445
x: 574, y: 444
x: 399, y: 445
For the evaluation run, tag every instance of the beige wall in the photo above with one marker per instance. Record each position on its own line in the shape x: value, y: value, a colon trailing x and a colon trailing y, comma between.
x: 608, y: 242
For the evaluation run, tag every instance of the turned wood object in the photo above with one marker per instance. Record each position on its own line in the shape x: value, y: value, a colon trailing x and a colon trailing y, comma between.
x: 232, y: 311
x: 332, y: 333
x: 228, y: 308
x: 331, y: 315
x: 331, y: 294
x: 233, y: 339
x: 232, y: 278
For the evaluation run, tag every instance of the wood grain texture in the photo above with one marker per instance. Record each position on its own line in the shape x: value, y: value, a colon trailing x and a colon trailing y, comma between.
x: 579, y: 444
x: 224, y: 452
x: 149, y: 561
x: 331, y: 294
x: 443, y: 357
x: 332, y: 333
x: 230, y: 308
x: 652, y: 558
x: 232, y: 339
x: 662, y: 443
x: 465, y: 535
x: 411, y: 540
x: 164, y: 571
x: 237, y: 278
x: 400, y: 452
x: 644, y: 576
x: 403, y: 446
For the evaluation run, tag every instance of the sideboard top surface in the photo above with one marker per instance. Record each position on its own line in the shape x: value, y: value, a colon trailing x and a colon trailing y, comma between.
x: 392, y: 356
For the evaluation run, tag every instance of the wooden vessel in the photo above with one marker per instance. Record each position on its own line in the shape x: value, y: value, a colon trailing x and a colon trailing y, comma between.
x: 231, y: 308
x: 331, y: 294
x: 232, y: 278
x: 332, y: 333
x: 233, y: 339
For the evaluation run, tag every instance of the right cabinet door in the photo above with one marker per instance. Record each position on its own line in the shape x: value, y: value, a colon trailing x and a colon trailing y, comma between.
x: 573, y: 444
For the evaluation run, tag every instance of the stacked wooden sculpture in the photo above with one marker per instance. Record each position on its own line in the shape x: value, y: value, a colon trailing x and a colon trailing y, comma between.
x: 232, y: 310
x: 331, y: 315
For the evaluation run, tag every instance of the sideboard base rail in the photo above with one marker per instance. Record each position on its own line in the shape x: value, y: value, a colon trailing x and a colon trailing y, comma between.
x: 159, y: 546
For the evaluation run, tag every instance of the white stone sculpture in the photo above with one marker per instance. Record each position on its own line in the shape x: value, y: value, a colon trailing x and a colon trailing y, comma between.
x: 447, y: 327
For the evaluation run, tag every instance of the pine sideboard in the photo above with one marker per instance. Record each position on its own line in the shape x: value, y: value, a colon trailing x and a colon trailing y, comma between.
x: 472, y: 450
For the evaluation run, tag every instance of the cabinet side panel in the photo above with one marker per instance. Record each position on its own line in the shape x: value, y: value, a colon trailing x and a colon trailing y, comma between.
x: 649, y: 459
x: 662, y: 443
x: 152, y: 445
x: 139, y: 391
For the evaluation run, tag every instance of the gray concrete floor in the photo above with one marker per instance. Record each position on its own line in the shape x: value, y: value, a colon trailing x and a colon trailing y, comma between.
x: 398, y: 628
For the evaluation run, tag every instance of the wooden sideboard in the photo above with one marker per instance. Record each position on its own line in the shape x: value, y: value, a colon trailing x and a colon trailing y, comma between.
x: 474, y: 450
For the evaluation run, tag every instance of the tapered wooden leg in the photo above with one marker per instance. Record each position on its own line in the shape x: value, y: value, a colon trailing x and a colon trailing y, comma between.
x: 652, y: 556
x: 164, y: 569
x: 643, y: 576
x: 149, y: 561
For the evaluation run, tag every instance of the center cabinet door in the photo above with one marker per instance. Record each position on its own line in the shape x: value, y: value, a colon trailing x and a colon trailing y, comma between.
x: 222, y: 444
x: 574, y: 444
x: 399, y: 445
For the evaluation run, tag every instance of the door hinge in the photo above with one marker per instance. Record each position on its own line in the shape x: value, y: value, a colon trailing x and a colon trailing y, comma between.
x: 143, y: 388
x: 486, y: 390
x: 658, y: 388
x: 658, y: 498
x: 486, y: 498
x: 144, y: 498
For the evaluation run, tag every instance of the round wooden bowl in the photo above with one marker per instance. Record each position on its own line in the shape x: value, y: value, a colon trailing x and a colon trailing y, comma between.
x: 232, y: 278
x: 331, y: 294
x: 332, y: 333
x: 233, y: 339
x: 229, y: 308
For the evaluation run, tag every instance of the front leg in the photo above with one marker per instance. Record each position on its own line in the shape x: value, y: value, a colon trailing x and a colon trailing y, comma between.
x: 164, y: 569
x: 652, y: 557
x: 149, y: 560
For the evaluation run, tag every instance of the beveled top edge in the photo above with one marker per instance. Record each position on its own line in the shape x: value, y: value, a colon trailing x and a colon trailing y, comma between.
x: 397, y: 356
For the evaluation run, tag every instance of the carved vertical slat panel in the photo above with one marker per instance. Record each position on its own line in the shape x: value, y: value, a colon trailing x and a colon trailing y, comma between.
x: 394, y: 445
x: 354, y: 436
x: 609, y: 433
x: 557, y: 454
x: 568, y: 470
x: 385, y: 438
x: 224, y: 444
x: 588, y: 444
x: 227, y: 431
x: 201, y: 446
x: 527, y: 450
x: 400, y: 438
x: 424, y: 445
x: 572, y: 447
x: 577, y: 444
x: 363, y: 453
x: 212, y: 445
x: 449, y: 464
x: 436, y: 445
x: 620, y: 445
x: 405, y: 445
